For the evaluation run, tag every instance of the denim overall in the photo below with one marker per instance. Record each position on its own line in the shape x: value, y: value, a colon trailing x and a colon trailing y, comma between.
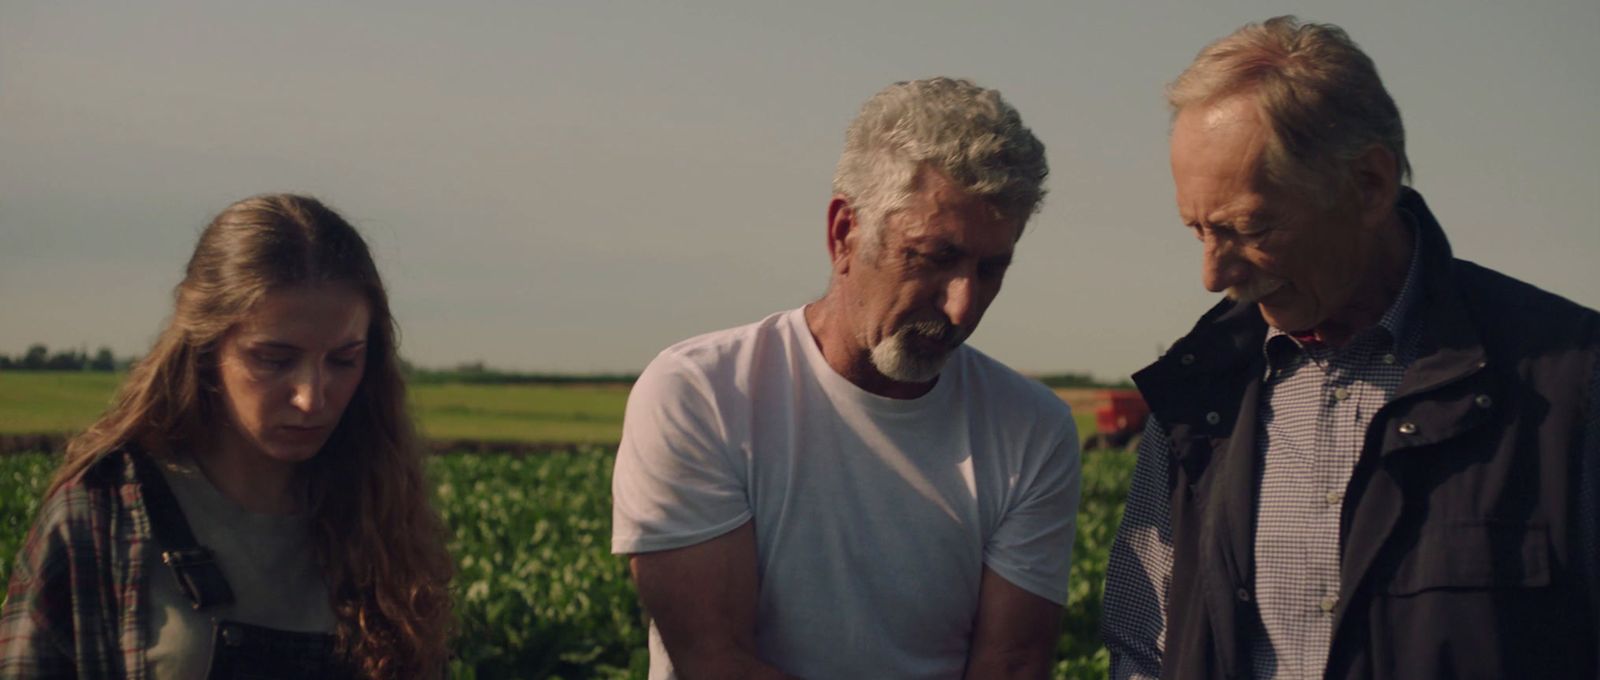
x: 239, y: 651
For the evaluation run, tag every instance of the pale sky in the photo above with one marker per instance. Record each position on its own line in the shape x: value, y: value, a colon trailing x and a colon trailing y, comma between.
x: 573, y: 186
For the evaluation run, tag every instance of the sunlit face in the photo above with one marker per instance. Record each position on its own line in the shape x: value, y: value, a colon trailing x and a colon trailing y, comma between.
x: 288, y: 370
x: 919, y: 293
x: 1298, y: 263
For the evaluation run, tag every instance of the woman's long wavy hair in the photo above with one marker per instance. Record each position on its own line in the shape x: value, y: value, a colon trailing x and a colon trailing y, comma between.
x: 379, y: 542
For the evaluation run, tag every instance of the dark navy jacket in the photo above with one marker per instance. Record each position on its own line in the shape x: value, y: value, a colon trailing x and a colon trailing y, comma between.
x: 1459, y: 536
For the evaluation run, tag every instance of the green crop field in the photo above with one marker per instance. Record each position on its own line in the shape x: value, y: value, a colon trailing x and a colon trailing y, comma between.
x: 22, y: 480
x: 538, y: 593
x: 540, y: 596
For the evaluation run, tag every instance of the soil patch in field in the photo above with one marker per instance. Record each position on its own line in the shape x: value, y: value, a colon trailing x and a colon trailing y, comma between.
x: 33, y: 443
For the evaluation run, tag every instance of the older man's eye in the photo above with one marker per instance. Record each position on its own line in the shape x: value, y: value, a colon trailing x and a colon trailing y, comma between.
x: 921, y: 259
x: 1255, y: 236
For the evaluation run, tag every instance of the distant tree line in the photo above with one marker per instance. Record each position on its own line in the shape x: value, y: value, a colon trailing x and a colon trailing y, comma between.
x: 38, y: 357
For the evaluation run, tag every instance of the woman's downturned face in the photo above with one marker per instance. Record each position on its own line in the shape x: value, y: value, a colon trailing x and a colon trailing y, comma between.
x: 289, y: 369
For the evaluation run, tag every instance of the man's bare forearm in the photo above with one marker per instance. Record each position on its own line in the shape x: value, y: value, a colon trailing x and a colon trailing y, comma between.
x: 1015, y: 634
x: 703, y: 601
x: 999, y: 666
x: 729, y: 664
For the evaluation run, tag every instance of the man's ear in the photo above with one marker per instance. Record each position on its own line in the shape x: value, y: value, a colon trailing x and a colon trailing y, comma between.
x: 1375, y: 175
x: 843, y: 233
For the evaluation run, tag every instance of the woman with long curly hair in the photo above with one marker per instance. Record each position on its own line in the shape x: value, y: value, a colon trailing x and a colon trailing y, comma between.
x: 253, y: 504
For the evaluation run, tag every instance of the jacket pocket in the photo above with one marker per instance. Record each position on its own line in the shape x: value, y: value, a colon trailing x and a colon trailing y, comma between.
x: 1475, y: 554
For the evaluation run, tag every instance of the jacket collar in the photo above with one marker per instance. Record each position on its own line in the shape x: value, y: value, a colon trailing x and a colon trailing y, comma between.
x: 1451, y: 346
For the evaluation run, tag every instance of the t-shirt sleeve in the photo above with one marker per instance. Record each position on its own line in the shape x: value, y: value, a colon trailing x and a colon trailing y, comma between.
x: 1032, y: 547
x: 675, y: 483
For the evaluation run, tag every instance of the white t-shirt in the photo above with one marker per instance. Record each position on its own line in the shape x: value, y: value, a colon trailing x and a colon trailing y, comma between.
x: 874, y: 517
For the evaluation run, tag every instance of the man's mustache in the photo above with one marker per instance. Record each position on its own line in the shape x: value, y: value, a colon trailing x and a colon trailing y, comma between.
x: 937, y: 331
x: 1255, y: 289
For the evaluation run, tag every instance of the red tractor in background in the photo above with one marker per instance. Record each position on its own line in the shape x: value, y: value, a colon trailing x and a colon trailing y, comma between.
x: 1118, y: 421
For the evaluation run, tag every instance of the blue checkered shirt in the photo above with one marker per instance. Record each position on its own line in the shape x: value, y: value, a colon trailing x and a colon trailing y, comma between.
x: 1316, y: 404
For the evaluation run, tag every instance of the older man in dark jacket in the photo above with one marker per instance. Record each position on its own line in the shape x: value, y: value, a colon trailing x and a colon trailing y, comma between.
x: 1373, y: 460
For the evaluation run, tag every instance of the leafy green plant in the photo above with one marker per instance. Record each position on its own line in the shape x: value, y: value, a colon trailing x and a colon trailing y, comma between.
x: 1080, y: 653
x: 22, y: 481
x: 539, y: 592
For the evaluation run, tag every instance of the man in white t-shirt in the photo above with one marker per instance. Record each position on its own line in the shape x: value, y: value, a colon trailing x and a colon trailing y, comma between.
x: 845, y: 490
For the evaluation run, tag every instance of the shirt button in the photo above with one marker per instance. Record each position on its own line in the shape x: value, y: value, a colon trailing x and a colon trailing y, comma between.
x: 1408, y: 428
x: 1340, y: 394
x: 1213, y: 417
x: 1242, y: 594
x: 1483, y: 401
x: 1187, y: 359
x: 1328, y: 603
x: 1390, y: 359
x: 1334, y: 497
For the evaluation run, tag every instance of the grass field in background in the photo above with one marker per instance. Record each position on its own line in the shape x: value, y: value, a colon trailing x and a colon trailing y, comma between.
x: 49, y: 401
x: 567, y: 413
x: 52, y: 402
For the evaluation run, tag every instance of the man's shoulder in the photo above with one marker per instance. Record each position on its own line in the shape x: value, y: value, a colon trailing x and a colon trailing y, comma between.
x: 1501, y: 302
x: 725, y: 351
x: 716, y: 361
x: 1000, y: 384
x: 720, y: 347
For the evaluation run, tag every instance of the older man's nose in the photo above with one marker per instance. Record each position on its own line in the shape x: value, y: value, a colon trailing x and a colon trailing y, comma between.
x: 960, y: 301
x: 1221, y: 269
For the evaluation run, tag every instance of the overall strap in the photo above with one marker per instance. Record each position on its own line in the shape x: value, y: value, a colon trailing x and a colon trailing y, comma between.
x: 199, y: 577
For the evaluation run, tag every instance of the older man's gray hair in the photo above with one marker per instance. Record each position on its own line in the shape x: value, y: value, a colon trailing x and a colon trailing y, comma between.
x: 965, y: 131
x: 1320, y: 92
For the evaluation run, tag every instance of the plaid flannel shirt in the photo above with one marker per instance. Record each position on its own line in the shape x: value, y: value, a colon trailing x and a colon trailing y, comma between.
x: 76, y: 606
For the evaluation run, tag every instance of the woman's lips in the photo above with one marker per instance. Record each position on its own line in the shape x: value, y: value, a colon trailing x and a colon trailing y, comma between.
x: 303, y: 432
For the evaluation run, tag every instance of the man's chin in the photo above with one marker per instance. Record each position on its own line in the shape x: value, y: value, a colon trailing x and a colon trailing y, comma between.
x: 900, y: 365
x: 1286, y: 320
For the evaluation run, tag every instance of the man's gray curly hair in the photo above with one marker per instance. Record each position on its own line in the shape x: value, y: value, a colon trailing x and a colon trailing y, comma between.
x: 965, y: 131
